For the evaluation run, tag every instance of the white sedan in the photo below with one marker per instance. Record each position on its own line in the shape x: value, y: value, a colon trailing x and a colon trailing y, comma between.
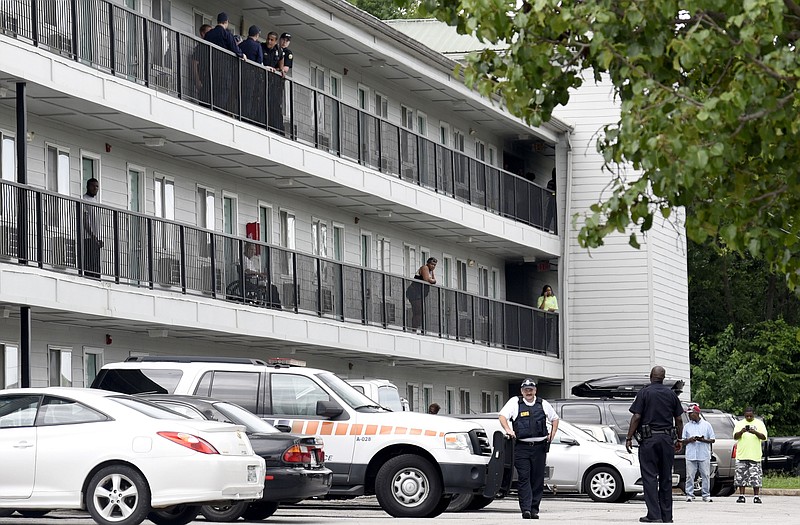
x: 120, y: 458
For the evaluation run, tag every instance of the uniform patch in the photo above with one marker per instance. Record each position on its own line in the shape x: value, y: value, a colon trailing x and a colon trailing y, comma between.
x: 524, y: 414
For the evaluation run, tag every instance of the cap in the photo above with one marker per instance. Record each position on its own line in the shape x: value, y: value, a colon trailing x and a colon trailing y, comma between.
x: 253, y: 31
x: 528, y: 383
x: 287, y: 36
x: 222, y: 18
x: 693, y: 408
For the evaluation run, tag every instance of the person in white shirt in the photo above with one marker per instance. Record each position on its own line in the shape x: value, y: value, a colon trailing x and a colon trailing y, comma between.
x: 698, y: 437
x: 525, y: 418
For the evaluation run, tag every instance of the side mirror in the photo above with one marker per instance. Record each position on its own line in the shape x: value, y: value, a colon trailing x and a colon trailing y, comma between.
x: 284, y: 428
x: 569, y: 441
x: 329, y: 409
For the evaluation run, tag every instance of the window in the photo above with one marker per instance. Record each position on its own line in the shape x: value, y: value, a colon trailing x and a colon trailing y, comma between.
x: 92, y: 363
x: 229, y: 214
x: 461, y: 275
x: 287, y: 229
x: 486, y: 401
x: 447, y: 271
x: 422, y: 124
x: 366, y: 250
x: 480, y: 150
x: 338, y: 242
x: 424, y: 255
x: 265, y: 220
x: 336, y: 85
x: 316, y: 76
x: 162, y: 11
x: 90, y: 169
x: 492, y: 156
x: 319, y: 237
x: 381, y: 105
x: 295, y: 395
x: 449, y: 400
x: 579, y: 413
x: 483, y: 281
x: 135, y: 191
x: 202, y: 18
x: 458, y: 140
x: 8, y: 158
x: 407, y: 117
x: 427, y: 396
x: 363, y: 98
x: 235, y: 387
x: 498, y: 401
x: 464, y: 405
x: 384, y: 261
x: 164, y: 190
x: 412, y: 395
x: 59, y: 411
x: 444, y: 134
x: 205, y: 207
x: 60, y: 366
x: 495, y: 284
x: 18, y: 411
x: 58, y: 170
x: 412, y: 263
x: 9, y: 366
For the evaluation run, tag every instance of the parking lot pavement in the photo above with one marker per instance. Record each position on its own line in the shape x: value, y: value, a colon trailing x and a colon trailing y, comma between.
x: 575, y: 509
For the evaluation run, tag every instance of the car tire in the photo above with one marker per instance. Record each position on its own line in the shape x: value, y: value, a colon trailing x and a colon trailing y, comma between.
x: 117, y: 487
x: 604, y: 484
x: 260, y: 510
x: 440, y: 507
x: 409, y: 486
x: 174, y: 515
x: 627, y: 496
x: 459, y: 502
x: 221, y: 513
x: 33, y: 513
x: 479, y: 502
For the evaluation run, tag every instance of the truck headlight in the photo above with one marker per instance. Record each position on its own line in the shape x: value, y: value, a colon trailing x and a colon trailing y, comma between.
x: 457, y: 441
x: 630, y: 458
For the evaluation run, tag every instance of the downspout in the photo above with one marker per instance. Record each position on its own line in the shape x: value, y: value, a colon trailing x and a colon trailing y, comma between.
x: 565, y: 294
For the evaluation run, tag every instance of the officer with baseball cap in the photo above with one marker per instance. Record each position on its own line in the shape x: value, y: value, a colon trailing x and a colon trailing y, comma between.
x: 288, y: 56
x: 525, y: 418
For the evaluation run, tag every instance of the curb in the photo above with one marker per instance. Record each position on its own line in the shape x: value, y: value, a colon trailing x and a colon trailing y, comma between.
x: 780, y: 492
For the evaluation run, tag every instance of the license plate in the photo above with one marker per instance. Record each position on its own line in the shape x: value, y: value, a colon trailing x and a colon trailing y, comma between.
x: 252, y: 473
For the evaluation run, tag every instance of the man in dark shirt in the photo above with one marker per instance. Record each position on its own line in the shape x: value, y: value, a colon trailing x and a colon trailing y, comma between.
x: 222, y: 37
x: 273, y: 59
x: 253, y: 79
x: 223, y: 67
x: 657, y: 419
x: 288, y: 56
x: 200, y: 57
x: 251, y: 47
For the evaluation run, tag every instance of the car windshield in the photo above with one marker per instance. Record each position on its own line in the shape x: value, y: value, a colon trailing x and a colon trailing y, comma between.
x: 389, y: 398
x: 147, y: 408
x: 347, y: 393
x: 240, y: 416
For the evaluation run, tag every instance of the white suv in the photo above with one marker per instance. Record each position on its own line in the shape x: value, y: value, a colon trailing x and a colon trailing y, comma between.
x: 412, y: 462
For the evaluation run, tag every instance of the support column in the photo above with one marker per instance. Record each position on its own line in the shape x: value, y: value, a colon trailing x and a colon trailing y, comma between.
x: 22, y: 231
x: 25, y: 346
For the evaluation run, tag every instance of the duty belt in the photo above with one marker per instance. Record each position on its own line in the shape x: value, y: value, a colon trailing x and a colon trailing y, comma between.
x: 661, y: 431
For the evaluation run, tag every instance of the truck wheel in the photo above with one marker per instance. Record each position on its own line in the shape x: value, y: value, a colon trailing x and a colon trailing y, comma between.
x: 441, y: 506
x: 604, y: 484
x: 230, y: 511
x: 460, y: 502
x: 260, y: 510
x: 408, y: 486
x: 479, y: 502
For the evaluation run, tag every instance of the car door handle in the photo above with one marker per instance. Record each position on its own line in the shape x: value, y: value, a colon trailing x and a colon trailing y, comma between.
x: 23, y: 444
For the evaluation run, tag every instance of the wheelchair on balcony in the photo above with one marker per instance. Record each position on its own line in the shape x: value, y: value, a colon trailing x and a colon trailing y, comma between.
x: 256, y: 291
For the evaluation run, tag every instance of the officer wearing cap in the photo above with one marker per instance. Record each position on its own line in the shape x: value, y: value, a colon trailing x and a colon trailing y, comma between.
x: 525, y: 418
x: 288, y: 56
x: 657, y: 419
x: 698, y: 437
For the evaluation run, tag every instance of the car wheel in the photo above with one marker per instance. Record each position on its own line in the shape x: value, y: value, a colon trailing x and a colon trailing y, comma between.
x: 4, y: 513
x: 408, y: 486
x: 459, y: 502
x: 33, y: 513
x: 261, y: 510
x: 174, y: 515
x: 440, y: 507
x: 229, y: 512
x: 604, y: 484
x: 479, y: 502
x: 627, y: 496
x: 118, y: 495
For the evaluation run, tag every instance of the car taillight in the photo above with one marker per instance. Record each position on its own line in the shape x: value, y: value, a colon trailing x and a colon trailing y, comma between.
x: 302, y: 454
x: 733, y: 451
x: 190, y: 441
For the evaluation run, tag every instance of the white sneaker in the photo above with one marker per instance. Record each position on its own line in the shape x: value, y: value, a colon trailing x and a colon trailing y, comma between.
x: 707, y: 499
x: 688, y: 499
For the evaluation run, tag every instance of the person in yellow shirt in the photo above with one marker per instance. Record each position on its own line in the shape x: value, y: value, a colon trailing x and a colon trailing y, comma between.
x: 547, y: 301
x: 748, y: 433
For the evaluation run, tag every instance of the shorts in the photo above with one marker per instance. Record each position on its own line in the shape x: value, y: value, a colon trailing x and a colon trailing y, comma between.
x: 748, y: 473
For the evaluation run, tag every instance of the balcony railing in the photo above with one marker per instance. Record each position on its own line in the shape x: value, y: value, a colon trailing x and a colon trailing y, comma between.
x: 125, y: 44
x: 97, y: 242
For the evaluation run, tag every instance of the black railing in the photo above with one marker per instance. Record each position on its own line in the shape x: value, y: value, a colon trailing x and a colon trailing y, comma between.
x: 128, y: 45
x: 79, y: 237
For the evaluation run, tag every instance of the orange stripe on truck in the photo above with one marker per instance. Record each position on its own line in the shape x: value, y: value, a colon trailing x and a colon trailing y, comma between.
x: 341, y: 429
x: 297, y: 427
x: 386, y: 430
x: 400, y: 430
x: 327, y: 428
x: 371, y: 430
x: 356, y: 429
x: 430, y: 433
x: 312, y: 427
x: 415, y: 431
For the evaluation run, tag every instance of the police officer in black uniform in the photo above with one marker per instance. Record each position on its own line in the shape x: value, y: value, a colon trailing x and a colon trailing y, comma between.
x: 657, y: 423
x: 288, y: 56
x: 273, y: 59
x: 529, y: 415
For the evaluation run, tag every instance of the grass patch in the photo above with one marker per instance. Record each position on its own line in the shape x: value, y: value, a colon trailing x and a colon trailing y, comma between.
x: 781, y: 481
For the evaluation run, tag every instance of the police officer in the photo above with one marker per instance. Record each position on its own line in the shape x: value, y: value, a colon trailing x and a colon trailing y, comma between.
x: 529, y: 415
x: 273, y: 59
x: 288, y: 56
x: 222, y: 37
x: 657, y: 421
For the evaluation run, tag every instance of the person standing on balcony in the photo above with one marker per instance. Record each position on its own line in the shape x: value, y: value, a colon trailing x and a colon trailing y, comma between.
x: 221, y: 67
x: 550, y: 214
x: 417, y: 292
x: 546, y: 326
x: 698, y: 437
x: 222, y: 37
x: 200, y: 67
x: 547, y: 301
x: 273, y: 59
x: 524, y: 418
x: 288, y: 56
x: 251, y: 46
x: 252, y: 77
x: 91, y: 230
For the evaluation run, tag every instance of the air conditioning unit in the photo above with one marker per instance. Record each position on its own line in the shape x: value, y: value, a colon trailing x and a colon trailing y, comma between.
x: 8, y: 241
x: 327, y: 300
x: 64, y: 253
x: 169, y: 271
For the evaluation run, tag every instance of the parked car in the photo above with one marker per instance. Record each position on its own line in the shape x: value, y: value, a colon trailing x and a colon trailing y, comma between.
x: 621, y: 386
x: 121, y: 458
x: 577, y: 462
x: 602, y: 433
x: 412, y: 462
x: 724, y: 449
x: 782, y: 454
x: 295, y: 463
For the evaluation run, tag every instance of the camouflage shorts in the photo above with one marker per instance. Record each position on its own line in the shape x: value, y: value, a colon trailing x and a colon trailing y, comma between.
x: 748, y: 474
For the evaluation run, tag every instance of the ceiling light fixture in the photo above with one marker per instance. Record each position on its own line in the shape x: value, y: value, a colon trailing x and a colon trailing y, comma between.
x: 377, y: 62
x: 154, y: 142
x: 158, y: 333
x: 274, y: 12
x: 385, y: 213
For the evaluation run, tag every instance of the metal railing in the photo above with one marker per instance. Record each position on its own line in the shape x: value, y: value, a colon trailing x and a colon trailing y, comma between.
x: 98, y: 242
x: 125, y: 44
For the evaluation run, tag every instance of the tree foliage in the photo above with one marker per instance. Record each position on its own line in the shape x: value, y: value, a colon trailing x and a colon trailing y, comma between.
x: 387, y: 9
x: 708, y: 94
x: 758, y: 367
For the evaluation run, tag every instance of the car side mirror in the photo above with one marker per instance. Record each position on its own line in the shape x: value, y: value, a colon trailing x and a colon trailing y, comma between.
x: 284, y: 428
x: 569, y: 441
x: 329, y: 409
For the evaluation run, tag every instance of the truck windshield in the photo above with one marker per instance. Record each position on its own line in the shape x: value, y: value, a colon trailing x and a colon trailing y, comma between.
x: 347, y: 393
x: 389, y: 397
